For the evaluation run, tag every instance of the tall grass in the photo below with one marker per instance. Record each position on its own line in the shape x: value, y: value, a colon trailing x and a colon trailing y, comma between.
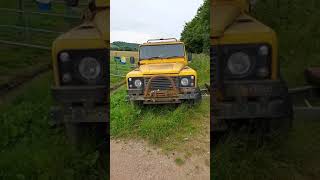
x: 160, y: 124
x: 118, y: 71
x: 297, y: 156
x: 30, y: 148
x: 293, y: 157
x: 297, y: 25
x: 17, y: 60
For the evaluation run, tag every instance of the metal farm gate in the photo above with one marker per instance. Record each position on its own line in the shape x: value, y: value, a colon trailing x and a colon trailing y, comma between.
x: 25, y: 23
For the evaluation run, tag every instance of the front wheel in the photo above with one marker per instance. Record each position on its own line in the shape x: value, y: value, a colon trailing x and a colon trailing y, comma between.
x: 197, y: 99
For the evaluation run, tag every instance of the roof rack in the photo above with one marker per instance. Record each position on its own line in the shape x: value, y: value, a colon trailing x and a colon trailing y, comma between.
x: 162, y: 39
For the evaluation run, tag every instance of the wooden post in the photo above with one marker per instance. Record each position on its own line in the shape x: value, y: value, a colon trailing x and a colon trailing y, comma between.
x: 20, y: 7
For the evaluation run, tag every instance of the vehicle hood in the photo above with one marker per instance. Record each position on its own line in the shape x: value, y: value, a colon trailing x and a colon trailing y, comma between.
x: 161, y: 68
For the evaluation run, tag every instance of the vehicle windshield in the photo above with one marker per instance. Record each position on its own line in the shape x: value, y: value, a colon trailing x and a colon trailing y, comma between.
x: 161, y: 51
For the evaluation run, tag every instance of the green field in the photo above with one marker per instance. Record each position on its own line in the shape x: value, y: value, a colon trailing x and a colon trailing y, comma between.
x: 118, y: 71
x: 163, y: 125
x: 30, y: 147
x: 297, y: 156
x: 17, y: 61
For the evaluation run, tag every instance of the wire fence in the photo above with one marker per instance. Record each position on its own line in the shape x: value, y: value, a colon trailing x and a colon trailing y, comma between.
x: 119, y: 67
x: 24, y: 23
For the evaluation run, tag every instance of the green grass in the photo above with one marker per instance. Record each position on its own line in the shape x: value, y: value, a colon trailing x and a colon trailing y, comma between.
x: 19, y: 60
x: 298, y: 28
x: 164, y: 125
x: 201, y: 64
x: 294, y: 157
x: 30, y: 148
x: 59, y: 24
x: 120, y: 70
x: 179, y: 161
x: 297, y: 156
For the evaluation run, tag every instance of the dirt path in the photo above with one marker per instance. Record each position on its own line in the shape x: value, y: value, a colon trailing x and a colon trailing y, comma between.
x: 131, y: 159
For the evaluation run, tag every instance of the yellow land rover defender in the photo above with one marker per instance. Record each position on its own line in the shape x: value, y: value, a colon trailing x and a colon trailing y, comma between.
x: 80, y: 61
x: 245, y: 80
x: 163, y: 75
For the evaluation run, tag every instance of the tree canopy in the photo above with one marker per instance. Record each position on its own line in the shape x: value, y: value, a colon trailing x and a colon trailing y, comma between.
x: 196, y: 33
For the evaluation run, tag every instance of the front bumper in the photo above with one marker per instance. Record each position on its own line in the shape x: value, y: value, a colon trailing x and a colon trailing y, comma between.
x: 253, y: 99
x: 160, y: 97
x: 79, y: 104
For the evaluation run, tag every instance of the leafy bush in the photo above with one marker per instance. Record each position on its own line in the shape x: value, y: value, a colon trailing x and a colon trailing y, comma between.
x: 196, y: 33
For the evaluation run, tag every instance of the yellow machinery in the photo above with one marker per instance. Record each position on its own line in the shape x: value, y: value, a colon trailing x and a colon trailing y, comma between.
x: 163, y: 75
x: 80, y: 60
x: 245, y: 77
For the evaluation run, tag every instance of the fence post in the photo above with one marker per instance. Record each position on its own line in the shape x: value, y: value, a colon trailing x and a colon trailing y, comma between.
x: 20, y: 7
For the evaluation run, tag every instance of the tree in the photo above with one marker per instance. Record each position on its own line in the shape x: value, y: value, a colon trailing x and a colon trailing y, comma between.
x: 196, y: 33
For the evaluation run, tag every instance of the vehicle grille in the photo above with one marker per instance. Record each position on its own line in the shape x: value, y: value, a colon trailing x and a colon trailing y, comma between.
x: 160, y: 83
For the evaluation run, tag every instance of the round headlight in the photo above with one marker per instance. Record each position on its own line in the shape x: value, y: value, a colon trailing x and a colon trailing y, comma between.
x: 64, y: 57
x: 239, y: 63
x: 138, y: 83
x: 263, y: 50
x: 184, y: 81
x: 89, y: 68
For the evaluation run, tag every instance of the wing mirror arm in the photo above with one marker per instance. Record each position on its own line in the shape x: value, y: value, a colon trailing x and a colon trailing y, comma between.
x: 132, y: 60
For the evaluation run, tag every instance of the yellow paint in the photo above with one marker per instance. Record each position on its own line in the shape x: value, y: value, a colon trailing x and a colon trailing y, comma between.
x: 91, y: 34
x: 226, y: 28
x: 167, y: 67
x: 242, y: 4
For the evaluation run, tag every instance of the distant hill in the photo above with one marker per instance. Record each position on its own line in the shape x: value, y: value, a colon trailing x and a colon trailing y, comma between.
x: 124, y: 46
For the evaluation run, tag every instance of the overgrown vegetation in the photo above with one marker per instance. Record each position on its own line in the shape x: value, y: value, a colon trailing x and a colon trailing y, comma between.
x: 164, y: 125
x: 119, y: 70
x: 24, y: 25
x: 294, y: 157
x: 297, y: 156
x: 196, y: 33
x: 16, y: 60
x: 30, y: 148
x: 297, y: 25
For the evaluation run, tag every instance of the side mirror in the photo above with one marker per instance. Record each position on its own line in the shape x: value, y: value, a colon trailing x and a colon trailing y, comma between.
x: 189, y: 57
x: 72, y: 3
x: 132, y: 61
x: 117, y: 59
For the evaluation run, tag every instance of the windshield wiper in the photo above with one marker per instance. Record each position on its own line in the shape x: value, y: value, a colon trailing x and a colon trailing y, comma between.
x: 171, y: 57
x: 155, y: 57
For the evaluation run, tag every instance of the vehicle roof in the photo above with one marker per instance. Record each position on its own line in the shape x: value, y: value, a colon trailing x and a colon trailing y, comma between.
x: 224, y: 13
x: 247, y: 24
x: 161, y: 43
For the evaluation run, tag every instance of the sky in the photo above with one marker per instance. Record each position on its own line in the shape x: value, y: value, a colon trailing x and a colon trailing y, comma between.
x: 136, y: 21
